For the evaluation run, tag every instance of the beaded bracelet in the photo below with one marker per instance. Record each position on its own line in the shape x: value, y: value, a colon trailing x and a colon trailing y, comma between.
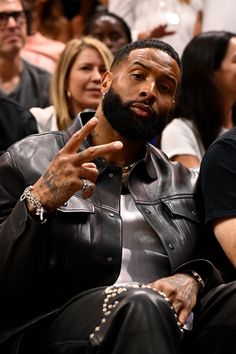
x: 39, y: 210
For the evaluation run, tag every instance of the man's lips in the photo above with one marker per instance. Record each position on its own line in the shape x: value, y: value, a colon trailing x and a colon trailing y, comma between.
x: 12, y: 37
x: 142, y: 110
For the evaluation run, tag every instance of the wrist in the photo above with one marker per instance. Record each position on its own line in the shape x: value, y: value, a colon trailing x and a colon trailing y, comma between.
x: 200, y: 282
x: 34, y: 206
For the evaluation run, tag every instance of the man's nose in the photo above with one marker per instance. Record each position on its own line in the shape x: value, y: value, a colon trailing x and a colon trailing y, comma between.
x: 11, y: 21
x: 149, y: 89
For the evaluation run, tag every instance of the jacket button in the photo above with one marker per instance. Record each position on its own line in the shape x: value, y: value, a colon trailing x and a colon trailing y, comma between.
x: 109, y: 259
x: 147, y: 211
x: 111, y: 215
x: 194, y: 213
x: 171, y: 246
x: 111, y: 175
x: 65, y: 204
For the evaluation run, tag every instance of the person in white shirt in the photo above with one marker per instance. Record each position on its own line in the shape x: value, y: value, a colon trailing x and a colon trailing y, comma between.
x: 174, y: 21
x: 219, y: 15
x: 205, y: 104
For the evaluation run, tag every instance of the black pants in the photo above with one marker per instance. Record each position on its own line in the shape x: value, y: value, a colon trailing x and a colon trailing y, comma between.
x: 136, y: 321
x: 215, y: 323
x: 127, y: 320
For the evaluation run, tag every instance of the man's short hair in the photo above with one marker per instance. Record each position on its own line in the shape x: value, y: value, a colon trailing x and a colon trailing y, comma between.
x: 123, y: 53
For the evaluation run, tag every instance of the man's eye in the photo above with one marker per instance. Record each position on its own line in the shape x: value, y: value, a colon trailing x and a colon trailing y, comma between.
x: 165, y: 89
x: 137, y: 76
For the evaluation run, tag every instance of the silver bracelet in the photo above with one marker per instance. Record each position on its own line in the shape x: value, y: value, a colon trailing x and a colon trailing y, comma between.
x: 198, y: 279
x: 39, y: 210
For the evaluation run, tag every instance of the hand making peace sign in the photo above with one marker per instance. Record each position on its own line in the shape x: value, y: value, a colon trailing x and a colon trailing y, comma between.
x: 69, y: 170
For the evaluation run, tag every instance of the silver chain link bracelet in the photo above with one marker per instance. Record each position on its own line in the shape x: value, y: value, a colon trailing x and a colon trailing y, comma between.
x: 39, y: 210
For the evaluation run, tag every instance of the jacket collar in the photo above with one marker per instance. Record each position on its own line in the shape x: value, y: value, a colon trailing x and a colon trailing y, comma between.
x: 81, y: 119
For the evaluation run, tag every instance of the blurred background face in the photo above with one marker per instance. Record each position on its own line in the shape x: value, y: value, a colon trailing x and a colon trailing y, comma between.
x: 225, y: 76
x: 109, y: 31
x: 12, y: 27
x: 84, y: 80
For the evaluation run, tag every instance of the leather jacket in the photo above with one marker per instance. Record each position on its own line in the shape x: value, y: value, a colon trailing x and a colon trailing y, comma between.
x: 81, y: 246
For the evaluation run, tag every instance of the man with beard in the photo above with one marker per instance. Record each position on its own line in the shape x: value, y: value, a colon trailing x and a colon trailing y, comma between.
x: 98, y: 228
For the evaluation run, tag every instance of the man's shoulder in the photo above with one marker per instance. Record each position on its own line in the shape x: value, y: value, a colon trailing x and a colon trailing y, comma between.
x: 228, y: 137
x: 222, y: 146
x: 39, y: 146
x: 9, y: 108
x: 36, y: 70
x: 178, y: 173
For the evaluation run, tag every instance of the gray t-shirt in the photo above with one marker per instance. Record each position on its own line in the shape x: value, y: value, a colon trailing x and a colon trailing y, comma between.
x: 143, y: 256
x: 33, y: 88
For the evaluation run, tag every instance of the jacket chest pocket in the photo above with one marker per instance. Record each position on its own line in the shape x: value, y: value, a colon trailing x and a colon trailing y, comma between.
x: 177, y: 223
x: 184, y: 220
x: 182, y: 208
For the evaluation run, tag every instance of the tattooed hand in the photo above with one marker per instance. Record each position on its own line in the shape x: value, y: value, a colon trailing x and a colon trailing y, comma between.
x: 67, y: 170
x: 182, y: 290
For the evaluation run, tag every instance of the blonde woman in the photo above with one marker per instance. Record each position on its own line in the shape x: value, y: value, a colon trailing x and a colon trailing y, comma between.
x: 75, y: 83
x: 174, y: 21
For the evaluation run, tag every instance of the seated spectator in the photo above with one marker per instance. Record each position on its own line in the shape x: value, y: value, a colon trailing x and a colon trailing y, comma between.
x: 15, y: 122
x: 25, y: 83
x: 174, y: 21
x: 217, y: 177
x: 49, y: 19
x: 99, y: 230
x: 205, y: 104
x: 78, y: 12
x: 42, y: 51
x: 38, y: 49
x: 110, y: 29
x: 75, y: 83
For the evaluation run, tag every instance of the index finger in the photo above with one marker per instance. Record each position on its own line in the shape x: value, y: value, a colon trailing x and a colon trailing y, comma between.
x: 93, y: 152
x: 73, y: 144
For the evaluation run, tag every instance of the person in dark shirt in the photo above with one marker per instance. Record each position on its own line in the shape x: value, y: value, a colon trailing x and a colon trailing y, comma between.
x: 15, y: 122
x: 27, y: 84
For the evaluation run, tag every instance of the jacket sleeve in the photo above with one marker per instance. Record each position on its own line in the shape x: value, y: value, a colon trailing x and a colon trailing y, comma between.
x: 208, y: 272
x: 23, y: 241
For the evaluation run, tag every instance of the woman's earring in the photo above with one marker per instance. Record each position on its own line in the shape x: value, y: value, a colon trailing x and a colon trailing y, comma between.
x: 68, y: 94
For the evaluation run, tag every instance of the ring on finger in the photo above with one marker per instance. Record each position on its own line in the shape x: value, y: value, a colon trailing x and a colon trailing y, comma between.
x: 87, y: 185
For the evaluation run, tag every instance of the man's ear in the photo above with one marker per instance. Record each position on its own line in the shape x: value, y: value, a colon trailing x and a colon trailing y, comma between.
x: 106, y: 82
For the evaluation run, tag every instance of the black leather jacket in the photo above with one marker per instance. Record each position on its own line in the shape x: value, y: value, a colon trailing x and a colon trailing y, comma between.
x: 81, y: 246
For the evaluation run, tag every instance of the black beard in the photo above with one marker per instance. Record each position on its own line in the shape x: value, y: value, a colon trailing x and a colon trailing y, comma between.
x: 126, y: 123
